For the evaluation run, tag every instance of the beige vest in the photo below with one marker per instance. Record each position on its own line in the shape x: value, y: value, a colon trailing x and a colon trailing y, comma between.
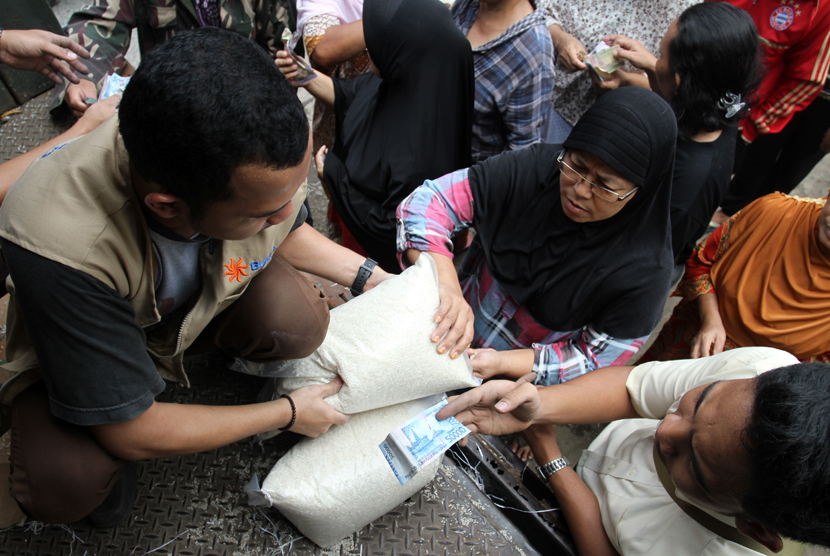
x: 77, y: 206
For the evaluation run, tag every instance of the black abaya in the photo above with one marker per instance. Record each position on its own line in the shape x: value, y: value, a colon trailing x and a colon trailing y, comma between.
x: 412, y: 125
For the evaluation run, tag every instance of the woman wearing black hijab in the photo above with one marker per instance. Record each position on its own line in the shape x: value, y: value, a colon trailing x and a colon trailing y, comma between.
x: 570, y: 268
x: 410, y: 122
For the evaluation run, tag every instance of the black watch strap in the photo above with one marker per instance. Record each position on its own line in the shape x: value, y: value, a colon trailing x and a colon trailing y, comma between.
x: 362, y: 275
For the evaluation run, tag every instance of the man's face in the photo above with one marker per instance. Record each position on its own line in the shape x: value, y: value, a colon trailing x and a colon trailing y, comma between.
x: 701, y: 444
x: 261, y: 197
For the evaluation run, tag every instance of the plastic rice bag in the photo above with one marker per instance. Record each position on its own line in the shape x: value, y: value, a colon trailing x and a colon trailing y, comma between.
x: 379, y: 343
x: 338, y: 483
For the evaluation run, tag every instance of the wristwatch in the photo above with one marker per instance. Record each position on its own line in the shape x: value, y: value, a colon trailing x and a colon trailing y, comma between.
x: 550, y: 468
x: 362, y: 275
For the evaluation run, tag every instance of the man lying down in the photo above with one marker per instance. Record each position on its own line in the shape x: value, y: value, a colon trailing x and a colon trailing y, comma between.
x: 725, y: 455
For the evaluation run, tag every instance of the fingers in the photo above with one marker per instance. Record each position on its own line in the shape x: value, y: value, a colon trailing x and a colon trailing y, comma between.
x: 340, y: 418
x: 74, y: 49
x: 718, y: 343
x: 56, y: 65
x: 47, y: 71
x: 523, y: 394
x: 694, y: 353
x: 320, y: 157
x: 529, y: 377
x: 75, y: 100
x: 455, y: 325
x: 704, y: 344
x: 62, y: 54
x: 461, y: 403
x: 332, y: 387
x: 621, y: 40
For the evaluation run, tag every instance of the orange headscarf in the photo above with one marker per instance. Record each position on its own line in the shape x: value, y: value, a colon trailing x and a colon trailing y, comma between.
x: 773, y: 281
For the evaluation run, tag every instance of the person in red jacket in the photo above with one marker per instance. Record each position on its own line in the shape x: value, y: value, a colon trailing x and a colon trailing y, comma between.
x: 795, y: 41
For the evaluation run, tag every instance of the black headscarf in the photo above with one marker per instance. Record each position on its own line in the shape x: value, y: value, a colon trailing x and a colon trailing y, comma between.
x: 612, y: 274
x: 412, y: 125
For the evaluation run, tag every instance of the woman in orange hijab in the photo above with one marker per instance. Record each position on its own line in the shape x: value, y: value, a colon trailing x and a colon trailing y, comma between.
x: 761, y: 279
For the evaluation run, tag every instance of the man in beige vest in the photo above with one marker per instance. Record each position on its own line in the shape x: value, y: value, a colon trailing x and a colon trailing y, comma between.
x: 181, y: 218
x: 725, y: 455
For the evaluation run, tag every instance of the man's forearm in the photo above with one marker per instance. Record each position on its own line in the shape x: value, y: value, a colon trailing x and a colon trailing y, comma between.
x: 596, y: 397
x: 582, y: 513
x: 578, y: 502
x: 308, y: 250
x: 169, y: 429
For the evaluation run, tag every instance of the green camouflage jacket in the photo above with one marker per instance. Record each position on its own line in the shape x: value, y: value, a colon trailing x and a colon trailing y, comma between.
x: 104, y: 28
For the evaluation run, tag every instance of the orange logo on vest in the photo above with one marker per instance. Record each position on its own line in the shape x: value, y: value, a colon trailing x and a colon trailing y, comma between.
x: 235, y: 270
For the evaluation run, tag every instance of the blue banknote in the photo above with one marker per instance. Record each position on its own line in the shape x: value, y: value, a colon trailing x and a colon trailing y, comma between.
x: 415, y: 444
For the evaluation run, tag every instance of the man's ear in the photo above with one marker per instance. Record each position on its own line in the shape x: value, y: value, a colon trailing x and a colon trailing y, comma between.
x: 758, y: 532
x: 163, y: 205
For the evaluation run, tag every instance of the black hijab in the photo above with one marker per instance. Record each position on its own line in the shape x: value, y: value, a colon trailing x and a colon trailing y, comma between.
x: 612, y: 274
x: 412, y: 125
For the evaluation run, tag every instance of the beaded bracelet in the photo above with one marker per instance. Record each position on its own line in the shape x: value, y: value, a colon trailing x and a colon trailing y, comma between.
x: 293, y: 412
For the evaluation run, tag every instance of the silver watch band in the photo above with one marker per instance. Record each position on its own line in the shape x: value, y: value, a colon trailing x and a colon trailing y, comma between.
x: 552, y: 467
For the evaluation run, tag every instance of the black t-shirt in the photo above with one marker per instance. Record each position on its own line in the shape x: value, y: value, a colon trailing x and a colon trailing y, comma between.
x: 90, y: 350
x: 702, y: 172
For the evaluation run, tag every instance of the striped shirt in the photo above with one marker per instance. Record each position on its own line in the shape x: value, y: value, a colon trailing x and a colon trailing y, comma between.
x: 428, y: 219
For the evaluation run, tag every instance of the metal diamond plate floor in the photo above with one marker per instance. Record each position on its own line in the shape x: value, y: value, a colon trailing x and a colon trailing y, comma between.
x: 196, y: 505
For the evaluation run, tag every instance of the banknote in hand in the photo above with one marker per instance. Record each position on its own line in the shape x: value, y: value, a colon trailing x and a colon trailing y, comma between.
x: 602, y: 60
x: 305, y: 72
x: 417, y: 443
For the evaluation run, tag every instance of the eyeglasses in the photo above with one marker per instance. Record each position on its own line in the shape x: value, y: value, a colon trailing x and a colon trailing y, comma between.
x: 602, y: 192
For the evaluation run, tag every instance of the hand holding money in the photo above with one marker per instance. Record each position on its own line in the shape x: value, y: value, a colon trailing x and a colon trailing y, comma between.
x: 294, y: 68
x: 631, y: 51
x: 602, y: 60
x: 496, y: 407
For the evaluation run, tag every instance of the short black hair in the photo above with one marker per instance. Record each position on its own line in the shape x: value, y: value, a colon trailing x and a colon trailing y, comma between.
x: 788, y: 440
x: 201, y: 105
x: 714, y: 52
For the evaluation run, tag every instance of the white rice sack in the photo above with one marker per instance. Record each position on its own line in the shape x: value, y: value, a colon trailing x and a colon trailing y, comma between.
x: 379, y: 343
x: 336, y: 484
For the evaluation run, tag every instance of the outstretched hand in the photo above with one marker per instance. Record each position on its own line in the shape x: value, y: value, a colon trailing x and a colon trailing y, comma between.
x: 44, y: 52
x: 314, y: 415
x: 497, y: 407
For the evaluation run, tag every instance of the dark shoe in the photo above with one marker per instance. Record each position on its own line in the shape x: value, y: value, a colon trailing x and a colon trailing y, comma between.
x: 118, y: 505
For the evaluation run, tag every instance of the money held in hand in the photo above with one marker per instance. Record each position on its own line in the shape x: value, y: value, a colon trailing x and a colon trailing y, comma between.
x: 305, y: 72
x: 417, y: 443
x: 603, y: 61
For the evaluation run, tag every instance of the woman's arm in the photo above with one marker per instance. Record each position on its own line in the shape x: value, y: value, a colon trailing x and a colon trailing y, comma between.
x: 321, y: 87
x: 338, y: 44
x: 697, y: 285
x: 427, y: 220
x: 582, y: 353
x: 432, y: 214
x: 711, y: 337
